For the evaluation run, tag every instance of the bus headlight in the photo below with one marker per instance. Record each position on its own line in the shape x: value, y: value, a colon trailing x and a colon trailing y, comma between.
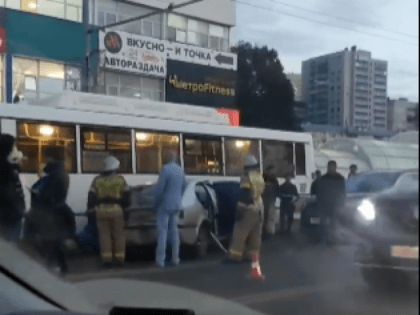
x: 367, y: 210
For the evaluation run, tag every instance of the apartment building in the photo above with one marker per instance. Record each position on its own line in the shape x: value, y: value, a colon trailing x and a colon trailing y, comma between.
x: 402, y: 115
x: 346, y: 88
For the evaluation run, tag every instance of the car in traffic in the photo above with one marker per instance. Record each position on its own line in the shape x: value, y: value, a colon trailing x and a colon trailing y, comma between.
x: 387, y: 223
x: 358, y: 188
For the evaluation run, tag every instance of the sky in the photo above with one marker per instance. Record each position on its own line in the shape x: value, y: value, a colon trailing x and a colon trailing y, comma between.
x: 286, y: 28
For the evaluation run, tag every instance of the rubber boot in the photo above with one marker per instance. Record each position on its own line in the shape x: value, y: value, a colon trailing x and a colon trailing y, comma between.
x: 256, y: 270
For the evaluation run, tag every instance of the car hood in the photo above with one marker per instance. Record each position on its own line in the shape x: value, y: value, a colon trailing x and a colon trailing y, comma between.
x: 35, y: 275
x: 99, y: 296
x: 107, y: 293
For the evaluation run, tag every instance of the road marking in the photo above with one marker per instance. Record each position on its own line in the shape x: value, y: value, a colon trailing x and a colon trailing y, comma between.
x: 291, y: 293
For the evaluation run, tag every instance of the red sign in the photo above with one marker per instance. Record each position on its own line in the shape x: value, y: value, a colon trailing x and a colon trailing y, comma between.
x: 232, y: 114
x: 2, y: 40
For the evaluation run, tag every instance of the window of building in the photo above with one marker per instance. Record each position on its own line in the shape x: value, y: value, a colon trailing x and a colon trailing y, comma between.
x: 131, y: 86
x: 63, y: 9
x: 34, y: 138
x: 150, y: 148
x: 109, y: 12
x: 98, y: 143
x: 203, y: 155
x: 280, y: 155
x: 34, y: 79
x: 236, y: 151
x: 185, y: 30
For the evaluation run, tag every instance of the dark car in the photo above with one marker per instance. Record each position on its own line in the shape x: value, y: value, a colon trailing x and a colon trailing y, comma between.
x: 388, y: 226
x: 357, y: 189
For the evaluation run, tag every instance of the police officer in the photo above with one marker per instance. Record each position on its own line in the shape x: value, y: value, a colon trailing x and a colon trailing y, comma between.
x: 109, y: 194
x: 247, y: 230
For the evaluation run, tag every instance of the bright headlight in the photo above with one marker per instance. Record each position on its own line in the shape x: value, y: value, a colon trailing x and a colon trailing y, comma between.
x: 367, y: 210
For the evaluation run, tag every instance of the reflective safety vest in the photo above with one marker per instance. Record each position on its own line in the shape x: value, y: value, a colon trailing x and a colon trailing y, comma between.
x: 109, y: 186
x: 255, y: 182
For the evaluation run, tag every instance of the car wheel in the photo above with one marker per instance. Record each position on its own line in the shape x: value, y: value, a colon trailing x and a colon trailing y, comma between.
x: 203, y: 241
x: 385, y: 279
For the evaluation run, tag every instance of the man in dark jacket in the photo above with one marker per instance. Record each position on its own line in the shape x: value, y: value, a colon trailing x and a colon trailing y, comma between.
x: 288, y: 194
x: 50, y: 219
x: 12, y: 203
x: 315, y: 182
x: 330, y: 198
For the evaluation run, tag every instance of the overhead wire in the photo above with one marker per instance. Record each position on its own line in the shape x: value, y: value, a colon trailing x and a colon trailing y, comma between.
x: 321, y: 22
x: 340, y: 18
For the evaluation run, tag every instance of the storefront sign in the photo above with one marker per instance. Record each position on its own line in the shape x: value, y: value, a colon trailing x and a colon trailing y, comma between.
x: 231, y: 114
x: 132, y: 53
x: 2, y: 40
x: 200, y: 85
x: 202, y: 56
x: 140, y: 54
x: 195, y: 87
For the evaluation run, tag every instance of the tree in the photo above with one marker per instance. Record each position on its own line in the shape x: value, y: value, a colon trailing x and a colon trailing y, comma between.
x: 264, y: 96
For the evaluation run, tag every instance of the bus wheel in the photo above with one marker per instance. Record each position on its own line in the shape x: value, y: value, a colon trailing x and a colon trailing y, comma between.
x: 203, y: 241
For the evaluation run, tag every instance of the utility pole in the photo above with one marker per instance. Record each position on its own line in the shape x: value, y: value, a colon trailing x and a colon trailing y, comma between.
x: 89, y: 30
x: 85, y: 61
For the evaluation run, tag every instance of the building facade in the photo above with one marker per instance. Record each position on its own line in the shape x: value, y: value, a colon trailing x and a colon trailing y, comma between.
x: 179, y: 57
x: 402, y: 115
x: 346, y: 88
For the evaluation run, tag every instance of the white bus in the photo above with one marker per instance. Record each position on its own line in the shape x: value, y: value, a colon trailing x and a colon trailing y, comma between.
x: 89, y: 127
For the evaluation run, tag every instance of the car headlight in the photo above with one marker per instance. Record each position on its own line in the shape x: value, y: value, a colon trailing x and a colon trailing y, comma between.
x: 367, y: 210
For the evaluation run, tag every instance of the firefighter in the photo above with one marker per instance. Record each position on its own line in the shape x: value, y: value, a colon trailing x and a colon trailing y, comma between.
x: 109, y: 194
x: 247, y: 230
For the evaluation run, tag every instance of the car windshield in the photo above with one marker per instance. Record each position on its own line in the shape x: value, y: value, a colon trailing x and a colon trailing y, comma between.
x: 368, y: 183
x: 408, y: 182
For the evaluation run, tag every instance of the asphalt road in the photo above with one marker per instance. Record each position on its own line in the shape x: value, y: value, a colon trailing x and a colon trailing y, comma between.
x: 301, y: 278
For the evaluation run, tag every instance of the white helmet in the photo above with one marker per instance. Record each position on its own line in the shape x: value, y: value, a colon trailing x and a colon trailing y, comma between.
x: 111, y: 163
x: 251, y: 161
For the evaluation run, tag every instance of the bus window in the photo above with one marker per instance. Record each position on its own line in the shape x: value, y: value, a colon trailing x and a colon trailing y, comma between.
x: 149, y: 149
x: 300, y: 158
x: 280, y: 155
x: 236, y: 151
x: 202, y: 155
x: 34, y: 138
x: 97, y: 144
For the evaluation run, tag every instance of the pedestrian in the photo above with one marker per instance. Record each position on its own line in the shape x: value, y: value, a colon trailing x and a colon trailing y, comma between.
x: 270, y: 194
x: 109, y: 195
x: 315, y: 182
x: 167, y: 198
x: 12, y: 202
x: 330, y: 198
x: 353, y: 171
x: 247, y: 231
x: 288, y: 195
x: 50, y: 220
